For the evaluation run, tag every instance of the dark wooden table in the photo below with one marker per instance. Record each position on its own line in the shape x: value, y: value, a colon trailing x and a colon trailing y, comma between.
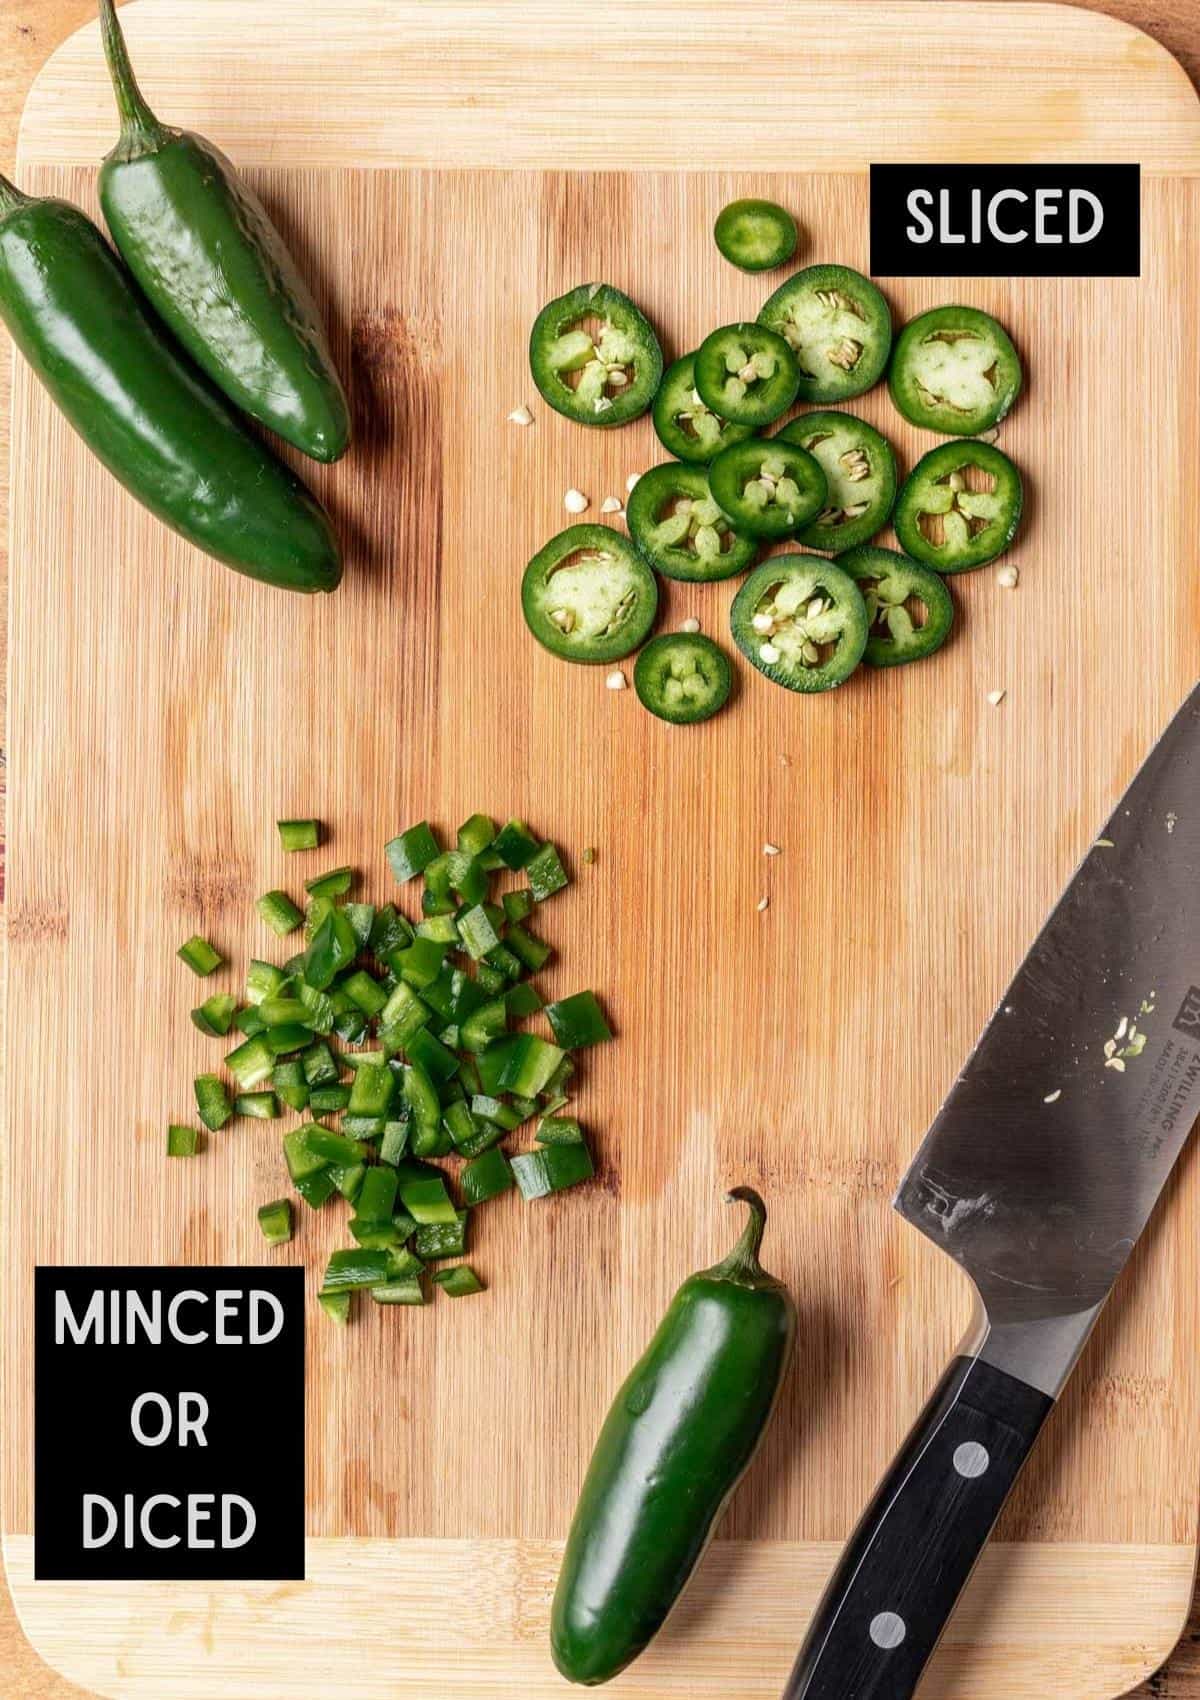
x: 29, y: 32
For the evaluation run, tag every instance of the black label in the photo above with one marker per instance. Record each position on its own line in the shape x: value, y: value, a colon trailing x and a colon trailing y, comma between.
x: 169, y: 1424
x: 1006, y: 220
x: 1188, y: 1019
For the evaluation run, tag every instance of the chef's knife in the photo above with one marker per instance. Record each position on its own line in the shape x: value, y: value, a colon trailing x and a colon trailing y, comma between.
x: 1037, y: 1176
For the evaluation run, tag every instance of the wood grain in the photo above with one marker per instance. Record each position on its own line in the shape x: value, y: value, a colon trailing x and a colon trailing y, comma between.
x: 431, y: 440
x: 961, y: 89
x: 156, y: 1639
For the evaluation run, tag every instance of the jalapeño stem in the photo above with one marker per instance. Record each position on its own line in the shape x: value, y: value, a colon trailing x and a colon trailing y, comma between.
x: 11, y: 197
x: 141, y: 132
x: 742, y: 1265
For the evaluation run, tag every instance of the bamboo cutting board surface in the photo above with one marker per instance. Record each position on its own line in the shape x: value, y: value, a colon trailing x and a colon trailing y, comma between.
x: 163, y: 712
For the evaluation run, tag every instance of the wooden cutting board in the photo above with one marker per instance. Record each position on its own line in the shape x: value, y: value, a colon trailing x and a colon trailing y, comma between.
x: 443, y: 169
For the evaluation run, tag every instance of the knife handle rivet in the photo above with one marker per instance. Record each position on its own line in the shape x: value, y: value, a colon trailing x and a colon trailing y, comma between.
x: 971, y: 1459
x: 887, y: 1630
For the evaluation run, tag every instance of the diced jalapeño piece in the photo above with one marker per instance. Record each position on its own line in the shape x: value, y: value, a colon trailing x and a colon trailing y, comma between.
x: 199, y: 955
x: 279, y: 912
x: 486, y: 1177
x: 515, y: 845
x: 358, y: 1268
x: 333, y: 948
x: 425, y: 1198
x: 261, y: 1106
x: 371, y: 1091
x: 316, y: 1189
x: 559, y: 1130
x: 215, y: 1014
x: 377, y: 1195
x: 529, y: 1065
x: 250, y: 1064
x: 275, y: 1220
x: 478, y: 934
x: 336, y: 883
x: 551, y: 1169
x: 411, y: 852
x: 212, y: 1100
x: 302, y: 1160
x: 299, y: 834
x: 442, y: 1239
x: 578, y: 1020
x: 405, y: 1291
x: 545, y: 873
x: 458, y: 1282
x: 336, y: 1306
x: 476, y: 834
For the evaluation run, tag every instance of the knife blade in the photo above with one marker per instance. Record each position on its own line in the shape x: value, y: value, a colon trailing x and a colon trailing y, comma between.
x: 1037, y: 1176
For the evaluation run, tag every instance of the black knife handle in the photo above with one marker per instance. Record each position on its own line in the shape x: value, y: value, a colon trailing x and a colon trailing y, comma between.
x: 908, y: 1560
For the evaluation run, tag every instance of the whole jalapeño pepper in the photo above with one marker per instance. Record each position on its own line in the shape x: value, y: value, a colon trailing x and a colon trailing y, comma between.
x: 217, y: 272
x: 143, y: 409
x: 681, y: 1433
